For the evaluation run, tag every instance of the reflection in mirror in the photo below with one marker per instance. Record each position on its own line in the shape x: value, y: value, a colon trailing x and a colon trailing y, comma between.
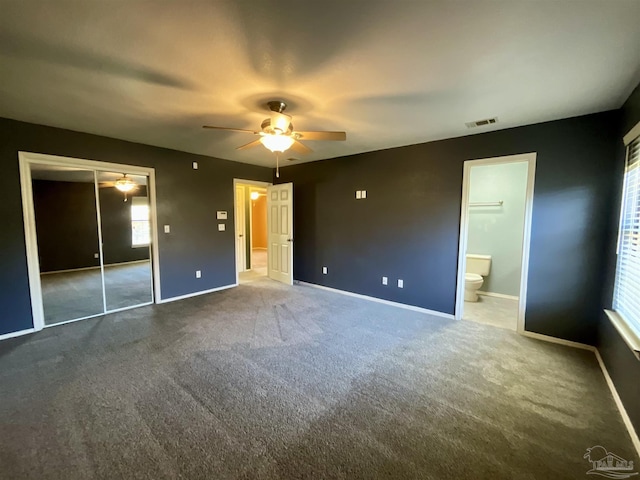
x: 68, y: 247
x: 126, y: 239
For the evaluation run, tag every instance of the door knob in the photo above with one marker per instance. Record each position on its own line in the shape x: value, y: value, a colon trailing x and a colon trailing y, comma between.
x: 289, y: 239
x: 240, y: 235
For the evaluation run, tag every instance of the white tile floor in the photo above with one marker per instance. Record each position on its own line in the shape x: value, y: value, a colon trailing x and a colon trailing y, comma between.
x: 258, y: 266
x: 499, y: 312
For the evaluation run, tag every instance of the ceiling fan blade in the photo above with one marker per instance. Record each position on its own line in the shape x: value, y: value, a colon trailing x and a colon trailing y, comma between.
x: 300, y: 148
x: 232, y: 129
x: 255, y: 143
x: 338, y: 136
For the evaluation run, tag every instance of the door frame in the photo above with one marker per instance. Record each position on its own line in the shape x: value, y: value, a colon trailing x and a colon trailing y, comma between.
x: 529, y: 158
x: 25, y: 159
x: 255, y: 183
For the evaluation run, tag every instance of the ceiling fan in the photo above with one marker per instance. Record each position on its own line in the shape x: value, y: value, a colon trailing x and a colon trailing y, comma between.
x: 277, y: 133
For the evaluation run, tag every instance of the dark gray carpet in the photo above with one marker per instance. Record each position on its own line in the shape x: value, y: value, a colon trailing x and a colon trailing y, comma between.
x: 268, y: 381
x: 78, y: 294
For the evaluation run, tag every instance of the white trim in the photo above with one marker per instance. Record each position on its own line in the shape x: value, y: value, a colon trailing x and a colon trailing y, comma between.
x: 195, y: 294
x: 632, y: 135
x: 559, y: 341
x: 628, y: 335
x: 497, y: 295
x: 241, y: 181
x: 530, y: 158
x: 25, y: 159
x: 19, y: 333
x: 380, y: 300
x: 100, y: 243
x: 614, y: 393
x: 93, y: 268
x: 616, y: 398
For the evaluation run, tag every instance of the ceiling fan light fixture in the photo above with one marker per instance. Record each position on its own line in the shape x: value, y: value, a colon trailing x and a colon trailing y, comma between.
x: 125, y: 184
x: 277, y: 143
x: 280, y: 122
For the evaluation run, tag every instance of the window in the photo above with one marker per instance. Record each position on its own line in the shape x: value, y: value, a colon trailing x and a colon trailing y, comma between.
x: 140, y: 225
x: 626, y: 297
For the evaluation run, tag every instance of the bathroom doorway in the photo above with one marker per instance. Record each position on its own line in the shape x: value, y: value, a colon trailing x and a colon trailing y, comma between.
x: 251, y: 230
x: 495, y: 231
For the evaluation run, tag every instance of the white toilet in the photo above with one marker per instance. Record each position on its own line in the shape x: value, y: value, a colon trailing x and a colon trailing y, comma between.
x: 478, y: 266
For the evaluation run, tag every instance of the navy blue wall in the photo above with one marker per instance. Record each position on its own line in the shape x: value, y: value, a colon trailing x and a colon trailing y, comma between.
x: 408, y: 227
x: 187, y: 199
x: 622, y: 365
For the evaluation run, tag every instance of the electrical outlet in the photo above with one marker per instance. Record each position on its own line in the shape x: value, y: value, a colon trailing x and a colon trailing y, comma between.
x: 400, y: 283
x: 198, y: 274
x: 324, y: 270
x: 385, y: 280
x: 167, y: 229
x: 195, y: 165
x: 221, y: 227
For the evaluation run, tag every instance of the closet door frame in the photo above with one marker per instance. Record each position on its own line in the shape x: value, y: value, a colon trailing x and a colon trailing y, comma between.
x: 25, y: 160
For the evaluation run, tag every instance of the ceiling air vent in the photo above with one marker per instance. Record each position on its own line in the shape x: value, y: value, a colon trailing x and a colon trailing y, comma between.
x: 482, y: 123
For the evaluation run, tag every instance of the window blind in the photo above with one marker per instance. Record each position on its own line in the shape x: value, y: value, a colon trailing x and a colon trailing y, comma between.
x: 626, y: 297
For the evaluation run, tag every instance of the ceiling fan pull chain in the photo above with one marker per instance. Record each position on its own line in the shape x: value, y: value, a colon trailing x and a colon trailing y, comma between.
x: 277, y: 165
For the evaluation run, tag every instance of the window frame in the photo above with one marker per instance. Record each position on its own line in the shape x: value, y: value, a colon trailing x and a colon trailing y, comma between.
x: 131, y: 221
x: 628, y: 330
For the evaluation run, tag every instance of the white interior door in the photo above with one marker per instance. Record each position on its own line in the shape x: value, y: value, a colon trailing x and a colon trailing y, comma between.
x: 241, y: 249
x: 280, y: 232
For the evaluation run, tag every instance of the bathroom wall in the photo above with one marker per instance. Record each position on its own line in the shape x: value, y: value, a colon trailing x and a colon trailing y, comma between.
x: 498, y: 231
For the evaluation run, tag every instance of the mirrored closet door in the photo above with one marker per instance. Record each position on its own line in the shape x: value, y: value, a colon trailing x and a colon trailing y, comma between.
x: 93, y: 232
x: 126, y: 240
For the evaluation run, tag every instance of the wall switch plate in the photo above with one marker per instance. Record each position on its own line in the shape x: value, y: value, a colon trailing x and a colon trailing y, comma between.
x: 221, y: 227
x: 363, y: 194
x: 221, y: 214
x: 324, y: 270
x: 167, y: 229
x: 358, y: 194
x: 195, y: 165
x: 385, y: 280
x: 198, y: 274
x: 400, y: 283
x: 96, y: 255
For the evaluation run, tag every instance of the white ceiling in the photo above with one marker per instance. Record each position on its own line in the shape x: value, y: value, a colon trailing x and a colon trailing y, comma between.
x: 389, y: 73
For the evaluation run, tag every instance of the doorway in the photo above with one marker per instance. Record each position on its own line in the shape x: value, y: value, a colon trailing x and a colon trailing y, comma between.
x: 495, y: 231
x: 89, y: 236
x: 251, y: 230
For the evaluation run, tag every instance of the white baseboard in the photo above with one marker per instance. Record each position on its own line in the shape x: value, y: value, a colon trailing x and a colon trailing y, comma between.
x: 17, y: 334
x: 559, y: 341
x: 96, y: 267
x: 189, y: 295
x: 380, y: 300
x: 497, y: 295
x: 614, y: 393
x: 616, y: 398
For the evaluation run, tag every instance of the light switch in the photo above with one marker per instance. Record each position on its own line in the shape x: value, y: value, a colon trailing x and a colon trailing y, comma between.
x: 221, y: 227
x: 324, y: 270
x: 96, y: 255
x: 400, y: 283
x: 364, y: 194
x: 385, y: 280
x: 195, y: 165
x: 358, y: 194
x: 198, y: 274
x: 167, y: 229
